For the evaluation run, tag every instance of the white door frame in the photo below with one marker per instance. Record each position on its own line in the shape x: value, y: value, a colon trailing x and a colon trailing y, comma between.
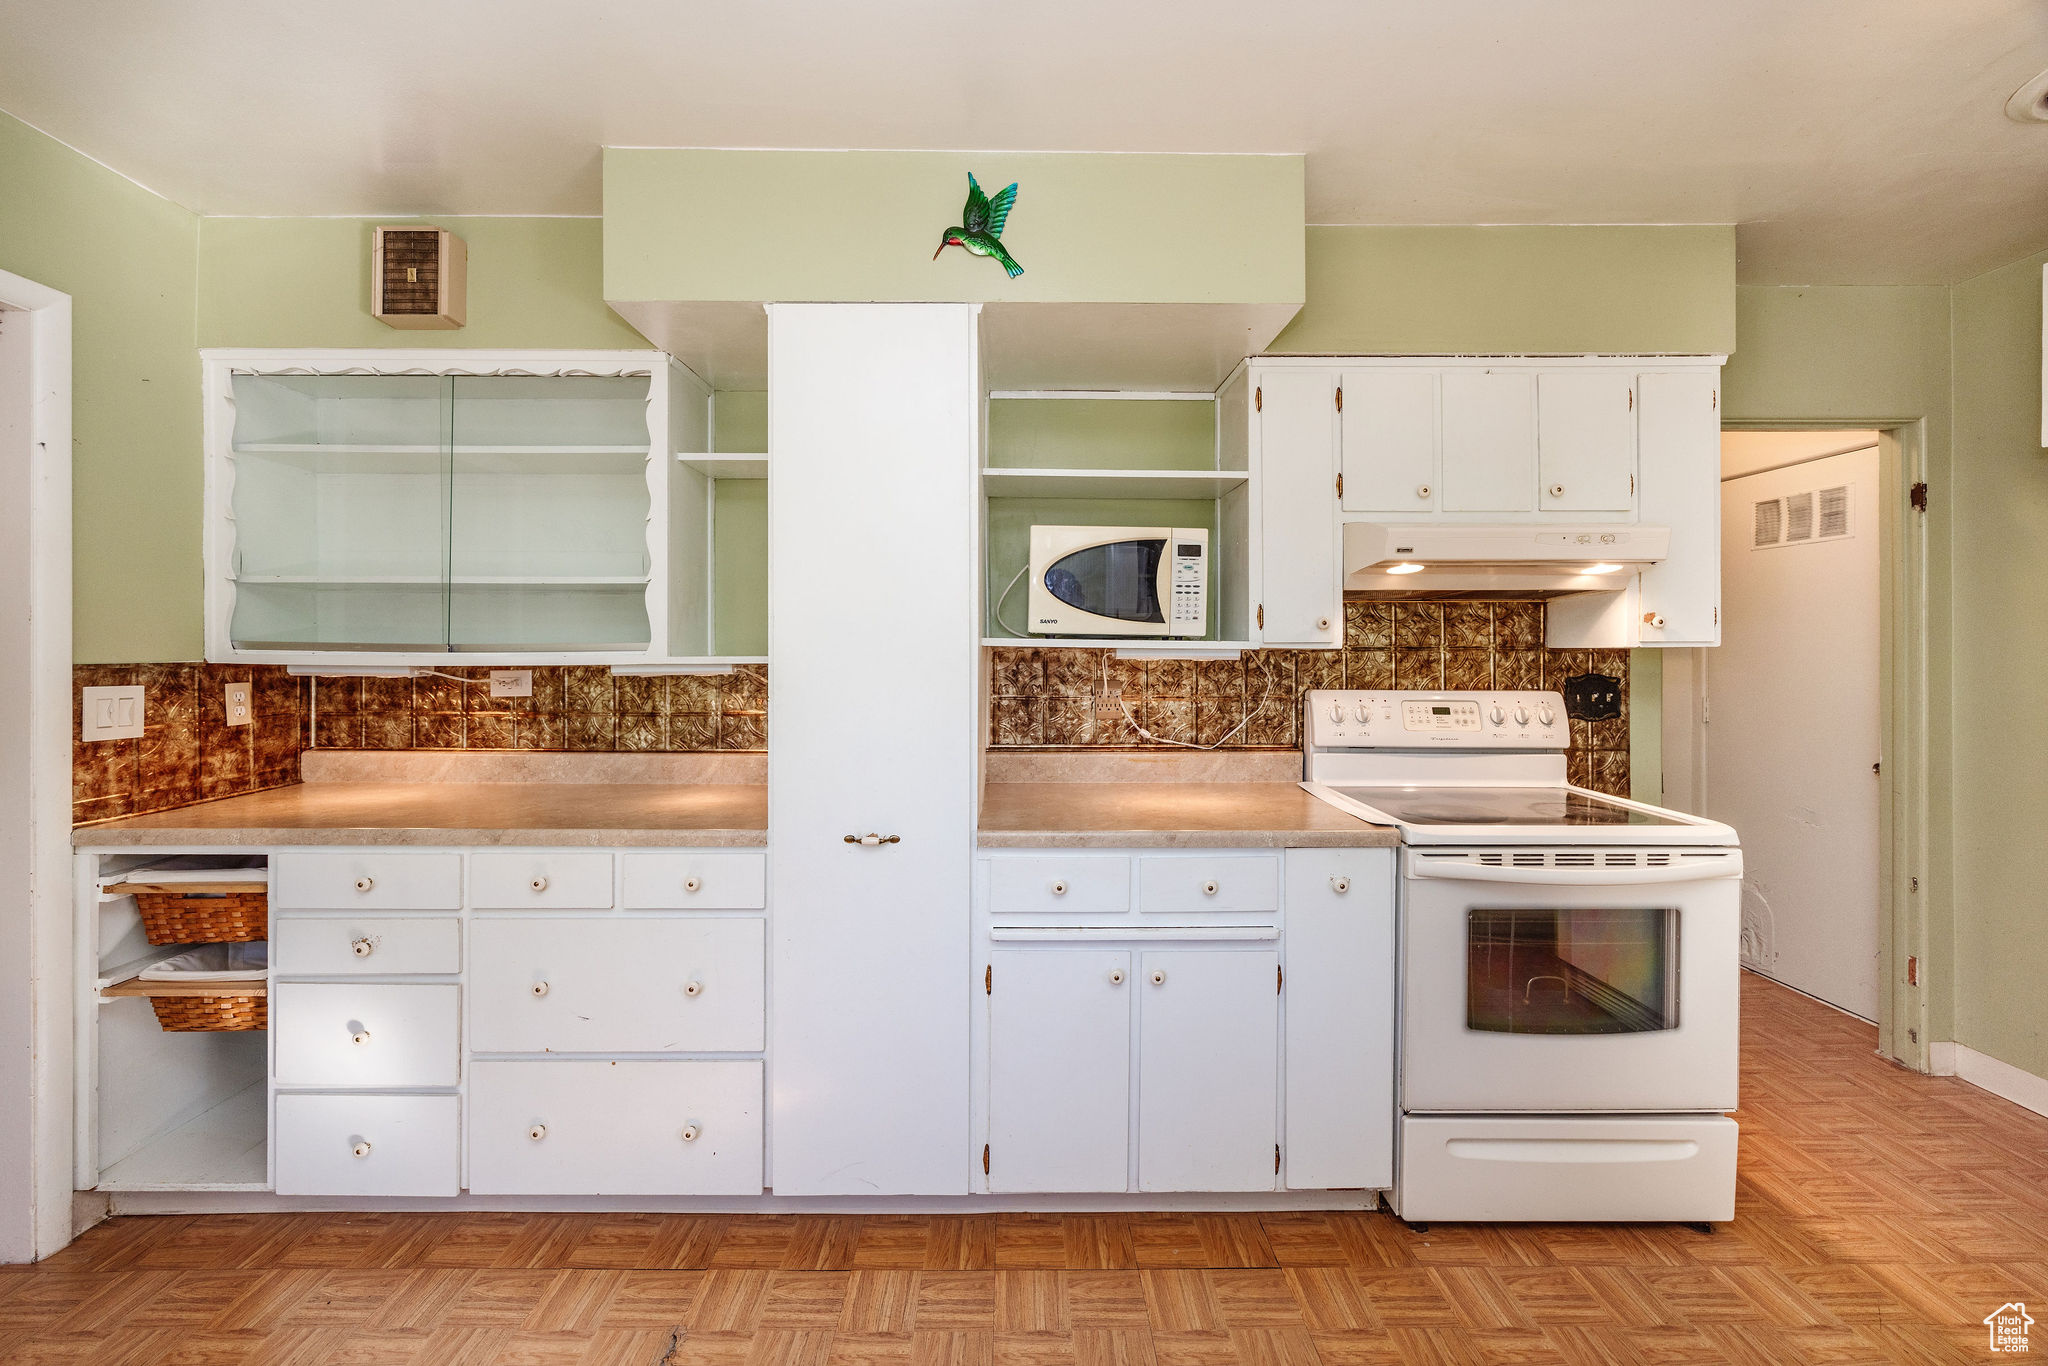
x: 35, y: 771
x: 1910, y: 883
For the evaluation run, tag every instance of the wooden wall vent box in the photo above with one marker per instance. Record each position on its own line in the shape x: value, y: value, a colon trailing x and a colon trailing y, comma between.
x: 419, y: 278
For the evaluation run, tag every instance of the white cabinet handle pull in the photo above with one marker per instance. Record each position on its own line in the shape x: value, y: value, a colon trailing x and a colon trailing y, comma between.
x: 693, y: 988
x: 539, y: 884
x: 1059, y: 888
x: 1340, y: 885
x: 1210, y: 888
x: 364, y: 884
x: 871, y: 839
x: 1557, y: 490
x: 690, y: 1132
x: 1655, y: 619
x: 1322, y: 623
x: 1158, y: 977
x: 362, y: 948
x: 361, y: 1036
x: 537, y: 1132
x: 362, y: 1149
x: 1423, y: 490
x: 693, y: 884
x: 1116, y: 977
x: 540, y: 988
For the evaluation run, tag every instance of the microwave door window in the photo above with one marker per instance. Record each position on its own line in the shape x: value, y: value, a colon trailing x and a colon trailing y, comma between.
x: 1119, y: 580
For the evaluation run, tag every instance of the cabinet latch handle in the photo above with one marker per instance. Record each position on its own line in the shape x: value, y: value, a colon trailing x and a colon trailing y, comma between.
x: 693, y: 988
x: 1340, y: 885
x: 693, y: 884
x: 362, y: 948
x: 690, y: 1132
x: 1059, y: 887
x: 871, y: 839
x: 537, y: 1132
x: 540, y: 988
x: 361, y: 1036
x: 1116, y: 977
x: 539, y: 884
x: 1210, y: 888
x: 364, y: 884
x: 361, y: 1149
x: 1158, y: 977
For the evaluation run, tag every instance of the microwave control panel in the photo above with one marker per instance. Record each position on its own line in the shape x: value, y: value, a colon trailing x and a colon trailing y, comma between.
x: 1188, y: 612
x: 1436, y: 720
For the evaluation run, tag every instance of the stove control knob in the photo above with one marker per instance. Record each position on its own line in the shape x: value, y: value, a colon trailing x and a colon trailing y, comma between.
x: 1364, y: 714
x: 1521, y: 715
x: 1497, y: 716
x: 1337, y: 712
x: 1546, y: 716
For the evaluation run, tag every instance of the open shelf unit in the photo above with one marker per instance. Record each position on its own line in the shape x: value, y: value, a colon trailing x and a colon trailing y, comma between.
x: 1116, y: 458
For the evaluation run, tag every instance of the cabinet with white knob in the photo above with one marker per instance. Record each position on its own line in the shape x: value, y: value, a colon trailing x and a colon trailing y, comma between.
x: 1208, y: 1068
x: 1060, y: 1069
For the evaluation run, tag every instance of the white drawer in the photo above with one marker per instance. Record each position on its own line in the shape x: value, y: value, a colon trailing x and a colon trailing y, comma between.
x: 690, y: 985
x: 683, y: 882
x: 331, y: 946
x: 369, y: 1145
x: 372, y: 879
x: 365, y: 1034
x: 1208, y: 882
x: 558, y: 1127
x: 507, y: 881
x: 1070, y: 883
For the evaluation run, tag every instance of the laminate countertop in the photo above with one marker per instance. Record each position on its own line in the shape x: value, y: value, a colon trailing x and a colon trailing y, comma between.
x: 1119, y: 815
x: 532, y: 813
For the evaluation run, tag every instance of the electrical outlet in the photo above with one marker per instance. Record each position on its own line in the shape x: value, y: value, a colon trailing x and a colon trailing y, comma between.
x: 110, y: 714
x: 240, y: 713
x: 1108, y: 707
x: 511, y: 682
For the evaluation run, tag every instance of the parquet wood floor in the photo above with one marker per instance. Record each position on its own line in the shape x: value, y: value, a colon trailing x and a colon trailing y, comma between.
x: 1881, y: 1216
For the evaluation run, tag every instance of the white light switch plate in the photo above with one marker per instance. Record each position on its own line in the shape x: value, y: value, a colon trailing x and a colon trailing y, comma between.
x: 110, y: 714
x: 511, y: 682
x: 239, y: 711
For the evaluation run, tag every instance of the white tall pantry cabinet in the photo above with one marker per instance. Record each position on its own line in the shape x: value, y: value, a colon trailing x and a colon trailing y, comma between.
x: 874, y: 607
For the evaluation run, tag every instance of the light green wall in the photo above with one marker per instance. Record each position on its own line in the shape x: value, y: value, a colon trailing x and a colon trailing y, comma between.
x: 739, y: 576
x: 533, y: 282
x: 740, y: 421
x: 1505, y: 290
x: 860, y: 226
x: 126, y: 259
x: 2000, y: 493
x: 1101, y: 433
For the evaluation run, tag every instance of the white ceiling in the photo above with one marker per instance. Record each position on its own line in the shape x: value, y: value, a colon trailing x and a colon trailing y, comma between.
x: 1852, y: 140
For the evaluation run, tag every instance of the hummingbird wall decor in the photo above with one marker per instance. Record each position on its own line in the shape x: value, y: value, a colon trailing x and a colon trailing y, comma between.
x: 982, y: 230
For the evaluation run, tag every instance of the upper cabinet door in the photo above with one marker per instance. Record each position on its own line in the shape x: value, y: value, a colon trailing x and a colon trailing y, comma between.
x: 1489, y: 441
x: 1586, y: 441
x: 1681, y: 426
x: 1389, y: 440
x: 1301, y: 602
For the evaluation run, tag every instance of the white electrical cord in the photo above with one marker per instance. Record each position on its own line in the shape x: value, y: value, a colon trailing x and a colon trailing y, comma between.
x: 1005, y: 598
x: 1224, y: 739
x: 452, y: 678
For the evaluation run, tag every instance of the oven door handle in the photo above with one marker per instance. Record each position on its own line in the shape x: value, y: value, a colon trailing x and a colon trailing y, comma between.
x: 1690, y: 871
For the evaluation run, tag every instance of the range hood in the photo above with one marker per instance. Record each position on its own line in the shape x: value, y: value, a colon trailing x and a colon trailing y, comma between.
x: 1426, y: 559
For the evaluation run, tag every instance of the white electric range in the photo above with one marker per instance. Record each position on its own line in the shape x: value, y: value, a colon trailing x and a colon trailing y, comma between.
x: 1569, y: 965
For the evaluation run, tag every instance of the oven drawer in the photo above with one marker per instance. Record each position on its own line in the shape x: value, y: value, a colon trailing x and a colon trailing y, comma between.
x: 540, y: 881
x: 370, y: 879
x: 1458, y: 1169
x: 694, y: 882
x: 1069, y: 884
x: 369, y: 1145
x: 1208, y: 882
x: 369, y: 1034
x: 336, y: 946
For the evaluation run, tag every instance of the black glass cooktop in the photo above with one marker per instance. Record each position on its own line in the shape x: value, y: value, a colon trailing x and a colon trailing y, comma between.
x: 1498, y: 806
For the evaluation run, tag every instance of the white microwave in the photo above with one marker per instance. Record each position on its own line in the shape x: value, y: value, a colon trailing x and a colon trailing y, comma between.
x: 1119, y: 581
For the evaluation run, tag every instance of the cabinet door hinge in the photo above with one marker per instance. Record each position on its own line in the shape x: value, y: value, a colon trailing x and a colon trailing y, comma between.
x: 1631, y: 399
x: 1919, y: 496
x: 1340, y: 485
x: 1279, y: 978
x: 1259, y: 399
x: 1276, y: 1158
x: 1340, y: 398
x: 1631, y: 486
x: 1262, y: 616
x: 988, y: 980
x: 1717, y: 400
x: 984, y: 1159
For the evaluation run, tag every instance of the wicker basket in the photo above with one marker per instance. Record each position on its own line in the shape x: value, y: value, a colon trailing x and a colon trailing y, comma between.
x: 208, y: 1006
x: 203, y: 912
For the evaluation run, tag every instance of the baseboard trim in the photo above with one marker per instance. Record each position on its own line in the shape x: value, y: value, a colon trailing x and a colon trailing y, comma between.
x: 1999, y: 1078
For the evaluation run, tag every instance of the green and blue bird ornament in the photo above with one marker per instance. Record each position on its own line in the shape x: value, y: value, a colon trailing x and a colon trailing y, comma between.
x: 982, y: 230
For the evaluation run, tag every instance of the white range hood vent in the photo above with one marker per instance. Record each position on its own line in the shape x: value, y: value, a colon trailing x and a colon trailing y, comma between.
x: 1427, y: 559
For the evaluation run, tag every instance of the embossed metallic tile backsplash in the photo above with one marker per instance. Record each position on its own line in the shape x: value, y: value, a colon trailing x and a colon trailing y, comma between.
x: 1045, y: 698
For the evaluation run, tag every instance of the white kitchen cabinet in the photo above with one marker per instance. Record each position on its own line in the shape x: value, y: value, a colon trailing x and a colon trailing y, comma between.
x: 1208, y: 1028
x: 367, y: 879
x: 1489, y: 441
x: 1389, y: 423
x: 1181, y: 884
x: 312, y: 945
x: 1059, y: 1070
x: 693, y: 882
x: 1300, y: 599
x: 365, y: 1034
x: 1681, y: 489
x: 541, y: 880
x: 1586, y: 440
x: 1339, y: 1010
x: 369, y: 1145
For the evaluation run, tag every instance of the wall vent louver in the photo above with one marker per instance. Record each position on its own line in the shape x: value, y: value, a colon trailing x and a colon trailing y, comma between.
x: 1770, y: 523
x: 1834, y: 511
x: 1798, y: 517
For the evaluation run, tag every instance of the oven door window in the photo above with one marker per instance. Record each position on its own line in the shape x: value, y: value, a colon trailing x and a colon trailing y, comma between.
x: 1119, y: 580
x: 1572, y: 971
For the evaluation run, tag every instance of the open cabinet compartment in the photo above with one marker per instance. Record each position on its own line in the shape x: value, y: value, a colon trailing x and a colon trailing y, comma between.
x: 719, y: 525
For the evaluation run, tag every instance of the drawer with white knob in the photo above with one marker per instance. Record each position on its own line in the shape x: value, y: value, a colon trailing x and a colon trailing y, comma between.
x: 1073, y: 884
x: 685, y: 882
x: 574, y: 1127
x: 365, y: 1034
x: 336, y: 946
x: 508, y: 881
x: 683, y: 985
x: 1205, y: 882
x: 369, y: 1145
x: 372, y: 879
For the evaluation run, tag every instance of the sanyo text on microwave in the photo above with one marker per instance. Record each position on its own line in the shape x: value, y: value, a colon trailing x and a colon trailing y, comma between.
x: 1119, y: 581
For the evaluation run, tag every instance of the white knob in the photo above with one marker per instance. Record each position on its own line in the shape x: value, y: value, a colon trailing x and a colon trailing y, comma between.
x: 361, y: 1036
x: 1423, y: 490
x: 361, y: 948
x: 1116, y: 977
x: 364, y: 884
x: 1546, y: 716
x: 693, y: 884
x: 1655, y: 619
x: 1322, y: 623
x: 1158, y: 977
x: 539, y: 884
x: 361, y: 1149
x: 1497, y: 716
x: 1521, y: 715
x: 537, y: 1132
x: 1337, y: 711
x: 1340, y: 885
x: 1364, y: 714
x: 693, y: 988
x: 1059, y: 887
x: 1557, y: 490
x: 690, y: 1132
x: 1210, y: 887
x: 540, y: 988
